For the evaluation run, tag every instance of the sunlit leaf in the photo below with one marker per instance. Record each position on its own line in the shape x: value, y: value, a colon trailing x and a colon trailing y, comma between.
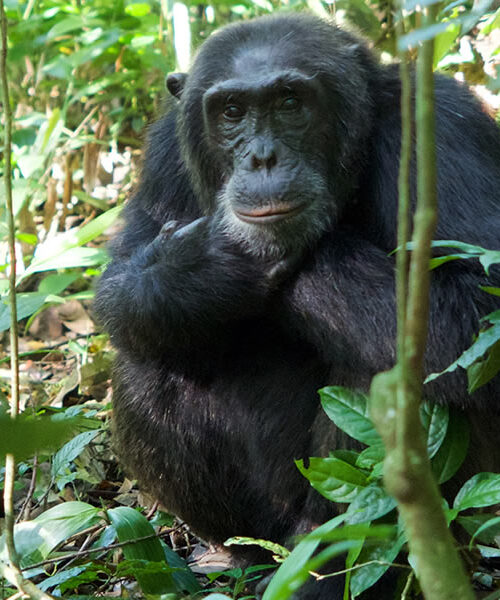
x: 349, y: 411
x: 333, y: 478
x: 37, y: 538
x: 482, y: 489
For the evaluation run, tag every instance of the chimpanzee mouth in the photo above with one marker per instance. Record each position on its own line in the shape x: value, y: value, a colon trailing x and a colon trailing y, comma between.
x: 269, y: 214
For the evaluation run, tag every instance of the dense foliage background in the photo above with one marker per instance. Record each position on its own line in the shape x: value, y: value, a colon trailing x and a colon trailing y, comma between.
x: 85, y: 78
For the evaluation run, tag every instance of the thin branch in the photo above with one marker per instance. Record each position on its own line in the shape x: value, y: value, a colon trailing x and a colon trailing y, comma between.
x: 14, y: 350
x: 11, y: 571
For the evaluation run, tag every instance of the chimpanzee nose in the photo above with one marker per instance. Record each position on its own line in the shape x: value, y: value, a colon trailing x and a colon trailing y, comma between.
x: 264, y: 156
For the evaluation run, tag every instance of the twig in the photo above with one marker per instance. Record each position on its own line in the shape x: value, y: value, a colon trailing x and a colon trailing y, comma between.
x: 14, y: 349
x: 383, y: 563
x: 24, y: 513
x: 152, y: 510
x: 406, y: 591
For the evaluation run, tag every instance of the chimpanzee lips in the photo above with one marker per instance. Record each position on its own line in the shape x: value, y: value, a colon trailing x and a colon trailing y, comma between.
x: 269, y: 213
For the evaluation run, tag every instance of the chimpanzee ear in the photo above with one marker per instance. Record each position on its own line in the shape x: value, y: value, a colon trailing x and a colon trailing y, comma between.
x: 175, y: 83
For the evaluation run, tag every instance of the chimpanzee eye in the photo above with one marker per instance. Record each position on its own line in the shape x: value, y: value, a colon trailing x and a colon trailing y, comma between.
x: 290, y: 103
x: 233, y: 112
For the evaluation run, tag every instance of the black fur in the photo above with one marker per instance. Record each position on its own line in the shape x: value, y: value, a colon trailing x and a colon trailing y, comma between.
x: 226, y: 329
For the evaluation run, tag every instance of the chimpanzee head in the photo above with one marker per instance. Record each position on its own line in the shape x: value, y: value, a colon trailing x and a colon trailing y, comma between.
x: 273, y: 119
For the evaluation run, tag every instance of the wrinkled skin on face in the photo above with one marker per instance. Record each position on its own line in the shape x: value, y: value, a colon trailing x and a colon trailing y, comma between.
x: 265, y: 152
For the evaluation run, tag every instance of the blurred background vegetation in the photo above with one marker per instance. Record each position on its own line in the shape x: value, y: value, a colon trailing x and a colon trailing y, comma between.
x: 86, y: 77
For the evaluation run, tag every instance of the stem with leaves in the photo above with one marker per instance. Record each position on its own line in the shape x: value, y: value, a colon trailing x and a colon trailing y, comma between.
x: 11, y: 571
x: 396, y: 395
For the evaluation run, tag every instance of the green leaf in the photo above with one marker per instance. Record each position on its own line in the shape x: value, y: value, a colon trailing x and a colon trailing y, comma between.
x: 494, y: 291
x: 349, y: 411
x: 333, y: 478
x: 371, y: 456
x: 57, y: 282
x: 273, y: 547
x: 482, y: 371
x: 492, y: 23
x: 30, y: 302
x: 486, y: 257
x: 138, y: 9
x: 37, y: 538
x: 63, y: 576
x: 69, y: 259
x: 27, y: 238
x: 485, y: 340
x: 492, y: 523
x: 129, y: 525
x: 25, y: 435
x: 435, y: 421
x: 351, y: 558
x: 184, y: 578
x: 71, y: 450
x: 52, y: 126
x: 444, y: 42
x: 27, y: 304
x: 71, y: 23
x: 95, y: 50
x: 30, y: 164
x: 56, y: 252
x: 473, y: 525
x: 364, y: 577
x: 481, y: 490
x: 437, y: 261
x: 417, y: 36
x: 92, y: 200
x: 293, y: 572
x: 453, y: 449
x: 371, y: 503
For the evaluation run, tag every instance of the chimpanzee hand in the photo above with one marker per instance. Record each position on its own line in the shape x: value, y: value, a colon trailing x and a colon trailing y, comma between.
x: 187, y: 283
x: 207, y: 230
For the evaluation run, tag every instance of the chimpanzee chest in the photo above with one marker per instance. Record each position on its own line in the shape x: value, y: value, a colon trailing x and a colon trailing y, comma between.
x: 216, y: 443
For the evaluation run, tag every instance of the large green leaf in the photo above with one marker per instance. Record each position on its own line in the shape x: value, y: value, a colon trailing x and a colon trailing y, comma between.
x: 29, y: 303
x: 293, y: 572
x: 333, y: 478
x: 349, y: 411
x: 64, y: 250
x: 382, y: 556
x: 435, y: 421
x: 484, y: 370
x: 131, y: 525
x: 481, y: 490
x: 37, y: 538
x: 371, y: 503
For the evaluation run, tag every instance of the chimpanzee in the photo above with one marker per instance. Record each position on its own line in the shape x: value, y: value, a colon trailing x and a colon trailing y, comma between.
x: 254, y: 268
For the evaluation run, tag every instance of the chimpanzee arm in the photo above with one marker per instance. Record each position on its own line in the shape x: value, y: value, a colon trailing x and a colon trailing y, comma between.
x: 174, y: 278
x: 343, y: 301
x: 180, y: 290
